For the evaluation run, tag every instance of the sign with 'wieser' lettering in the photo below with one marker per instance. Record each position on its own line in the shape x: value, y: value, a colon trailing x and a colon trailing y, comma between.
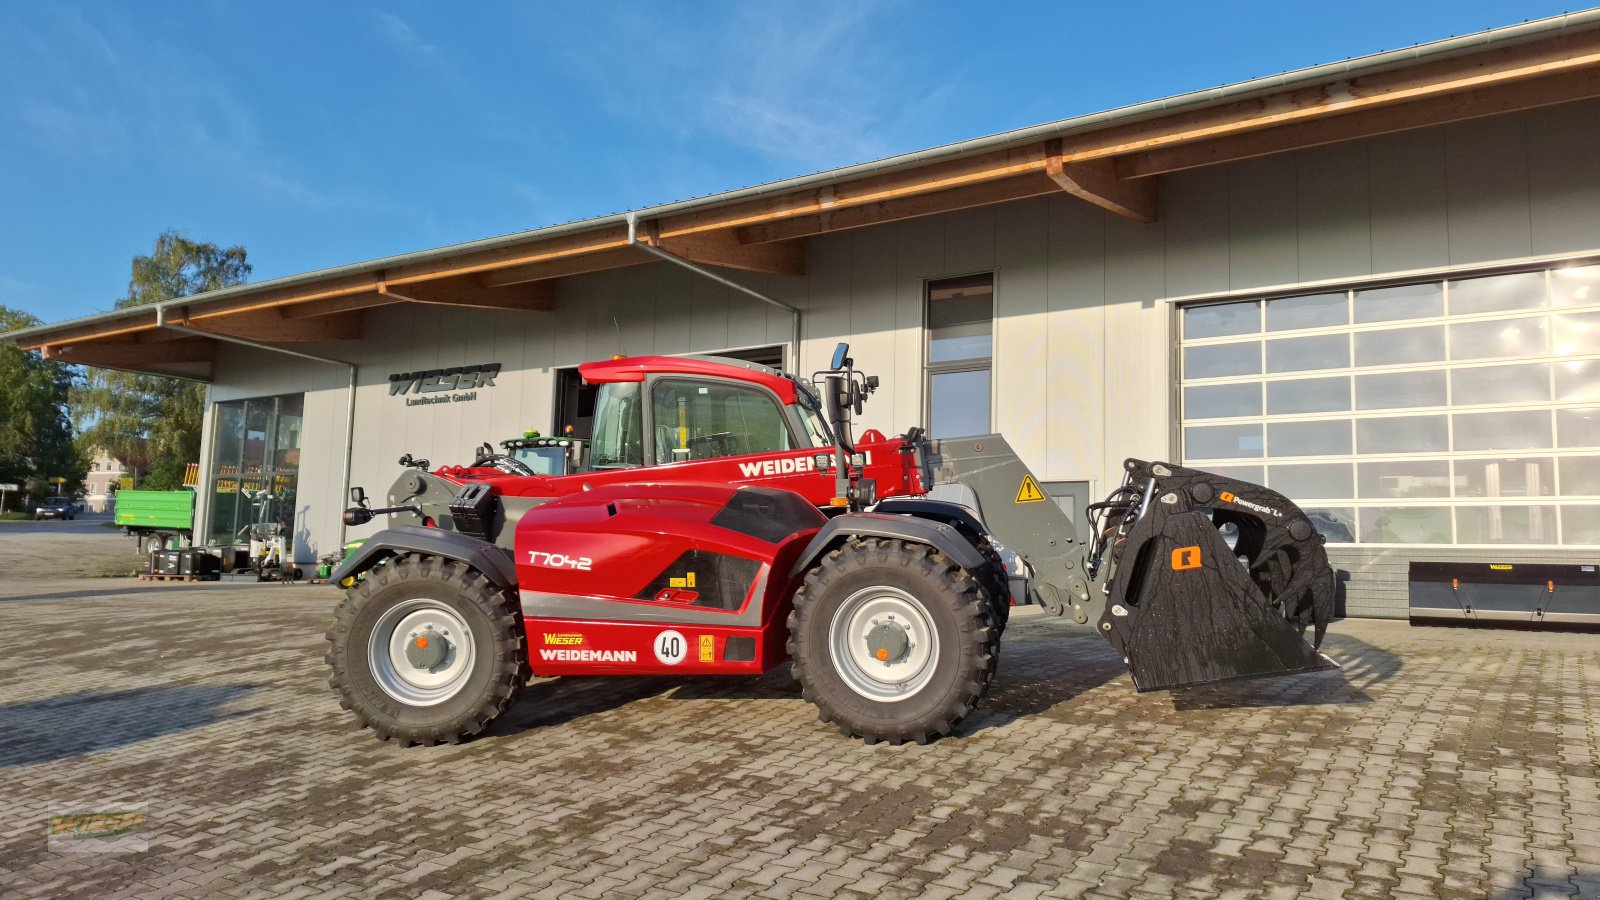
x: 457, y: 384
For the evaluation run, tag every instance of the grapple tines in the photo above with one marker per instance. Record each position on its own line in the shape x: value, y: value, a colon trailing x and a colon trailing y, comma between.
x: 1185, y: 607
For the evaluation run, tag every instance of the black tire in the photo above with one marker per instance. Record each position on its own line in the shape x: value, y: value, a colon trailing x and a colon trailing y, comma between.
x: 961, y: 617
x: 497, y: 672
x: 995, y: 583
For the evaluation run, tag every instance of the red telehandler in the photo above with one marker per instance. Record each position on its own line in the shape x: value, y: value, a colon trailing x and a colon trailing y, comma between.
x: 727, y: 521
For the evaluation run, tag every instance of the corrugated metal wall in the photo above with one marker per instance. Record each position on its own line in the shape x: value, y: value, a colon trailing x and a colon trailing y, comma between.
x: 1083, y: 333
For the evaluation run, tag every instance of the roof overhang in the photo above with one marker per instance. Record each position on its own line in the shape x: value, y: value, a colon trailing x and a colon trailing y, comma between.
x: 1112, y: 159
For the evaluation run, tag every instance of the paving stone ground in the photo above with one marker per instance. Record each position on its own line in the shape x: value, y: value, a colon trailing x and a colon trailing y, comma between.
x: 1438, y: 762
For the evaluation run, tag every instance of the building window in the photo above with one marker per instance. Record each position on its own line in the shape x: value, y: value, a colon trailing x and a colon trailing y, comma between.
x: 255, y: 464
x: 960, y: 351
x: 1462, y: 411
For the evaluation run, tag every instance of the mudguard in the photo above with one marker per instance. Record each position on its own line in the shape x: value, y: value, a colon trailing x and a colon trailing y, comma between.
x: 962, y: 517
x: 494, y: 562
x: 944, y: 538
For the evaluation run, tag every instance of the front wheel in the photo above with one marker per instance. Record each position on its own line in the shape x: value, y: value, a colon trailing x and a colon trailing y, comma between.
x: 892, y: 641
x: 426, y: 650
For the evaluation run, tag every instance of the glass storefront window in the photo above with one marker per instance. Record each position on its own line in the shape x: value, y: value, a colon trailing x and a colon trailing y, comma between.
x: 1497, y: 293
x: 1313, y: 311
x: 1501, y: 384
x: 255, y: 465
x: 1412, y: 301
x: 1308, y: 395
x: 1223, y: 401
x: 1221, y: 320
x: 1398, y: 390
x: 1460, y: 411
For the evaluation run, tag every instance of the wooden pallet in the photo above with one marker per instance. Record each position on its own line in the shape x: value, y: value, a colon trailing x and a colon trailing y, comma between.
x: 158, y: 577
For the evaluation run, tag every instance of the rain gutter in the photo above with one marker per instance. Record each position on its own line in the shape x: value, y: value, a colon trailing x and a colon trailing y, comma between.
x: 794, y: 312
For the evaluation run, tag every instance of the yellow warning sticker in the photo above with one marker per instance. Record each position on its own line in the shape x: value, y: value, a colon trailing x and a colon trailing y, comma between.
x: 1029, y: 491
x: 686, y: 581
x: 708, y: 648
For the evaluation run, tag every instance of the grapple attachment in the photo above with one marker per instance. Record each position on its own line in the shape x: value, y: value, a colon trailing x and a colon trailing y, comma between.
x: 1208, y: 578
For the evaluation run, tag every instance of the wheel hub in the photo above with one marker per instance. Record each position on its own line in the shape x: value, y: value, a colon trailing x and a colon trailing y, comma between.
x: 421, y: 652
x: 883, y: 643
x: 428, y: 649
x: 888, y: 642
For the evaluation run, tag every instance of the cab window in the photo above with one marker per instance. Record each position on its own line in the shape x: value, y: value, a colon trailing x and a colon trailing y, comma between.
x: 703, y: 420
x: 618, y: 441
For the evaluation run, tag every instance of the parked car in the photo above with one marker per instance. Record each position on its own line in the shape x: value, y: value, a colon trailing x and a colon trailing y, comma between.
x: 54, y: 508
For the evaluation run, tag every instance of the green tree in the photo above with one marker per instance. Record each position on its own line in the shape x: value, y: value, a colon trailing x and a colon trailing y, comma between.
x: 35, y: 432
x: 149, y: 422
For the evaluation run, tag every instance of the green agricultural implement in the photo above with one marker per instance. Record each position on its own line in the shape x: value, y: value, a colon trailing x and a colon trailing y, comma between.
x: 162, y: 520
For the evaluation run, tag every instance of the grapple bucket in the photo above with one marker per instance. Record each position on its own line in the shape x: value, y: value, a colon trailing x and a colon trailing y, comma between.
x: 1210, y: 579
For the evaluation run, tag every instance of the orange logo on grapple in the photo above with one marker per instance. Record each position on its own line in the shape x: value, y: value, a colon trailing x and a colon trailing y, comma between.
x: 1185, y: 558
x: 1225, y: 497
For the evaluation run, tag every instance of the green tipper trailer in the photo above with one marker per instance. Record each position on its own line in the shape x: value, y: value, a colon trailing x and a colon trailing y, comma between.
x: 166, y: 515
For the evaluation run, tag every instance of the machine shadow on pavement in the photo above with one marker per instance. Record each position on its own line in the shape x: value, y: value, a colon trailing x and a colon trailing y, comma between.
x: 557, y: 701
x: 1362, y: 665
x: 41, y: 731
x: 126, y: 588
x: 1036, y: 675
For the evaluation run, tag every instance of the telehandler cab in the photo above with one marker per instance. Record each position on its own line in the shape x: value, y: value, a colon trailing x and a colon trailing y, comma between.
x: 728, y: 520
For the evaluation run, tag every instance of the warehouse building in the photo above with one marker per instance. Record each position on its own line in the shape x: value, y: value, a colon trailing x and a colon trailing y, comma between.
x: 1372, y: 285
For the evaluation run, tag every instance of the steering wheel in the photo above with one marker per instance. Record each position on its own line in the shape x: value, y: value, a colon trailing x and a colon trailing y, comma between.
x: 507, y: 464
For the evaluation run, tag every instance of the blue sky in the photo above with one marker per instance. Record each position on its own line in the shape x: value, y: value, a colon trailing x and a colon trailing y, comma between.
x: 318, y: 134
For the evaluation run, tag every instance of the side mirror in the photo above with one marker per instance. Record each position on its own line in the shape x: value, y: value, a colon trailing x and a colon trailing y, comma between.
x: 358, y: 496
x: 841, y: 356
x: 838, y: 395
x: 834, y: 398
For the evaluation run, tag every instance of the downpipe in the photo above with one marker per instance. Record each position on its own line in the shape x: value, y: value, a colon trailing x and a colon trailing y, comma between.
x: 794, y: 312
x: 350, y: 390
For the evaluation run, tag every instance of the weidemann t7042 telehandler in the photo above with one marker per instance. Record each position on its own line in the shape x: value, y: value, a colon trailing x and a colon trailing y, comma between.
x: 724, y: 525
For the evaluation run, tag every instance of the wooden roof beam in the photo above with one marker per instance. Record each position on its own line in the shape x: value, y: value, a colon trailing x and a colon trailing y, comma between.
x: 891, y: 186
x: 337, y: 305
x: 534, y: 296
x: 1096, y: 181
x: 723, y: 249
x: 1490, y: 100
x: 134, y: 355
x: 271, y: 326
x: 1017, y: 187
x: 562, y: 268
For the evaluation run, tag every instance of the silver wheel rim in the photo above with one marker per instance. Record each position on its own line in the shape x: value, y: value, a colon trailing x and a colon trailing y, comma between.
x: 853, y: 659
x: 395, y: 673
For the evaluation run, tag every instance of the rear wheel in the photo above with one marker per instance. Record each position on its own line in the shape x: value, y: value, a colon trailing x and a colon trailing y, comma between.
x: 996, y: 584
x: 892, y: 641
x: 426, y: 650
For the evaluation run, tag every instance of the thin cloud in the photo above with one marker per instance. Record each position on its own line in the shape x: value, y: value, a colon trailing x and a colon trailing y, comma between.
x: 398, y: 33
x: 801, y: 84
x: 405, y: 40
